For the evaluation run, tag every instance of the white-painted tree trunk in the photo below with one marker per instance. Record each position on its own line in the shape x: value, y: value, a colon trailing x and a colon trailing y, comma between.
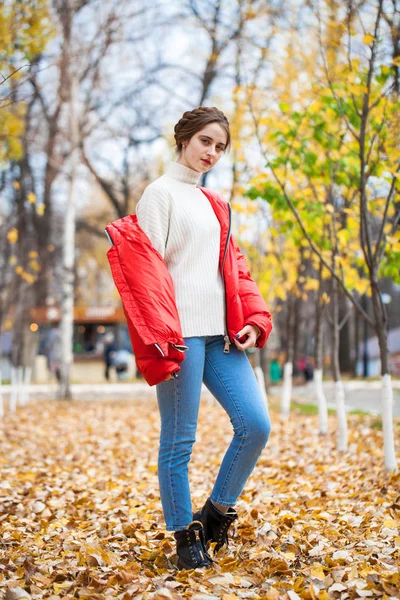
x: 261, y: 382
x: 322, y: 406
x: 67, y: 307
x: 24, y: 395
x: 341, y: 432
x: 286, y: 390
x: 1, y: 393
x: 387, y: 423
x: 14, y: 390
x: 20, y: 383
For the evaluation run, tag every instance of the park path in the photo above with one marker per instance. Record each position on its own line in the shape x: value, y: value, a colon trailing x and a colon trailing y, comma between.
x: 360, y: 395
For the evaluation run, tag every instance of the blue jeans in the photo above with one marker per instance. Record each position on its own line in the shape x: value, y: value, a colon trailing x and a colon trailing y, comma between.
x: 231, y: 379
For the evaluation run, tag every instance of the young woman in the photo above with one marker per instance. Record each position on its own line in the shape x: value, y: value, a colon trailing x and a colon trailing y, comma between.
x: 180, y: 220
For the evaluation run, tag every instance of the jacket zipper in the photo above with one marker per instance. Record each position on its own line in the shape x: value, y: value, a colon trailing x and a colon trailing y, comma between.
x: 226, y: 337
x: 178, y: 347
x: 160, y: 349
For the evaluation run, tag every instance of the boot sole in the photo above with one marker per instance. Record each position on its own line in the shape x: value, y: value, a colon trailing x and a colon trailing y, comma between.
x: 186, y: 567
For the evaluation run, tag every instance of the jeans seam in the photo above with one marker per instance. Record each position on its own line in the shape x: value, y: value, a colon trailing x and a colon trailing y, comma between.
x: 173, y: 451
x: 244, y: 437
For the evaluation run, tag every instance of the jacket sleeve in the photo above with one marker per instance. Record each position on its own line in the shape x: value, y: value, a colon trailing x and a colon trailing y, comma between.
x: 153, y: 214
x: 255, y: 310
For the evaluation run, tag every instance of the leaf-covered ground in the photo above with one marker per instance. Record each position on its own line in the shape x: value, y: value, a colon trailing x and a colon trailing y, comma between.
x: 81, y: 517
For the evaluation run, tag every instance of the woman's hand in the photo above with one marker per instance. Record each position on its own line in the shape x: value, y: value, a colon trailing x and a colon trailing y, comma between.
x: 252, y: 332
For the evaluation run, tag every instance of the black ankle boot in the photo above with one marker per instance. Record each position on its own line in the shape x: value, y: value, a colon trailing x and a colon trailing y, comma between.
x: 216, y: 523
x: 191, y: 548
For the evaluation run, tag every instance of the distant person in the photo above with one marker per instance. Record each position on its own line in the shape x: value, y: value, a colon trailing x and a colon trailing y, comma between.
x: 308, y: 370
x: 122, y: 360
x: 300, y: 365
x: 206, y: 310
x: 53, y: 351
x: 275, y: 372
x: 109, y: 353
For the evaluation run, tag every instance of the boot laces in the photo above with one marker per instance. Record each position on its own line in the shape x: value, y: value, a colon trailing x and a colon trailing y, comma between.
x: 223, y: 532
x: 202, y: 550
x: 190, y: 545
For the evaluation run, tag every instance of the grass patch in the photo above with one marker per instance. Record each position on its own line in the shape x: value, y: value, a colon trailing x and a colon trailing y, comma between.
x: 305, y: 409
x: 309, y: 409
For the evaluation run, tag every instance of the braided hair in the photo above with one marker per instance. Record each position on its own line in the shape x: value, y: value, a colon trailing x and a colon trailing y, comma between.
x: 194, y: 120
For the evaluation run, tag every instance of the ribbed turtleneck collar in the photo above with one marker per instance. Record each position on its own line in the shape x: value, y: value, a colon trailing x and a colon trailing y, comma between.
x: 182, y: 173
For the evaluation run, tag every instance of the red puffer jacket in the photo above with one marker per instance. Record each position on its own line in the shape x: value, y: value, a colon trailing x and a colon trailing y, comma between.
x: 147, y: 292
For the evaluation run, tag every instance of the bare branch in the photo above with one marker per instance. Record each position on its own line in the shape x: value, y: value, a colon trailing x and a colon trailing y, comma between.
x: 105, y: 185
x: 342, y: 323
x: 379, y: 251
x: 82, y: 225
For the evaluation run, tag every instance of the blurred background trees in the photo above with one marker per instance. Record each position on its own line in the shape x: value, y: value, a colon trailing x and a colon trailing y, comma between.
x: 312, y: 93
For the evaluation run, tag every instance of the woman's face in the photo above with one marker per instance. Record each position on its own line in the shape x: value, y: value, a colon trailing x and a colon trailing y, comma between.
x: 204, y: 149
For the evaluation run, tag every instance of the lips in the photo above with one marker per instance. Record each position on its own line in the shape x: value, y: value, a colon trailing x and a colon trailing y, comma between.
x: 206, y: 161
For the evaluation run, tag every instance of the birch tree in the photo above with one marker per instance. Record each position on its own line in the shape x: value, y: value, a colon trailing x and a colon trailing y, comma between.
x: 66, y: 14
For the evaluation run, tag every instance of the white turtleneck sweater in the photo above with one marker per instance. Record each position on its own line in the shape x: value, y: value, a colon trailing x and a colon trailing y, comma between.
x: 182, y: 226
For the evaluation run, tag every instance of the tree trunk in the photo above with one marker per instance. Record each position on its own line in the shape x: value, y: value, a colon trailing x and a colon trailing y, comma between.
x: 260, y: 376
x: 17, y: 350
x: 261, y: 383
x: 296, y: 309
x: 286, y: 389
x: 1, y: 378
x: 387, y: 392
x: 356, y: 341
x: 364, y: 302
x: 16, y: 383
x: 288, y: 366
x: 318, y: 371
x: 25, y: 386
x: 321, y: 399
x: 387, y: 423
x: 264, y: 364
x: 345, y: 361
x: 43, y: 225
x: 67, y: 312
x: 341, y: 431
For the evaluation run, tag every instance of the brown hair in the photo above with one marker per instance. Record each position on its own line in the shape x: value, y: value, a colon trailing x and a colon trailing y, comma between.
x: 193, y: 121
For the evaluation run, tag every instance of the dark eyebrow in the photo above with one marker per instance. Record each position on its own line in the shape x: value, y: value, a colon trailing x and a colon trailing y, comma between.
x: 210, y: 138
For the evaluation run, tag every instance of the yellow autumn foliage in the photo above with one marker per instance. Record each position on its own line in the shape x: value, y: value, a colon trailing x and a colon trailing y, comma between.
x: 12, y: 236
x: 25, y: 29
x: 83, y: 508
